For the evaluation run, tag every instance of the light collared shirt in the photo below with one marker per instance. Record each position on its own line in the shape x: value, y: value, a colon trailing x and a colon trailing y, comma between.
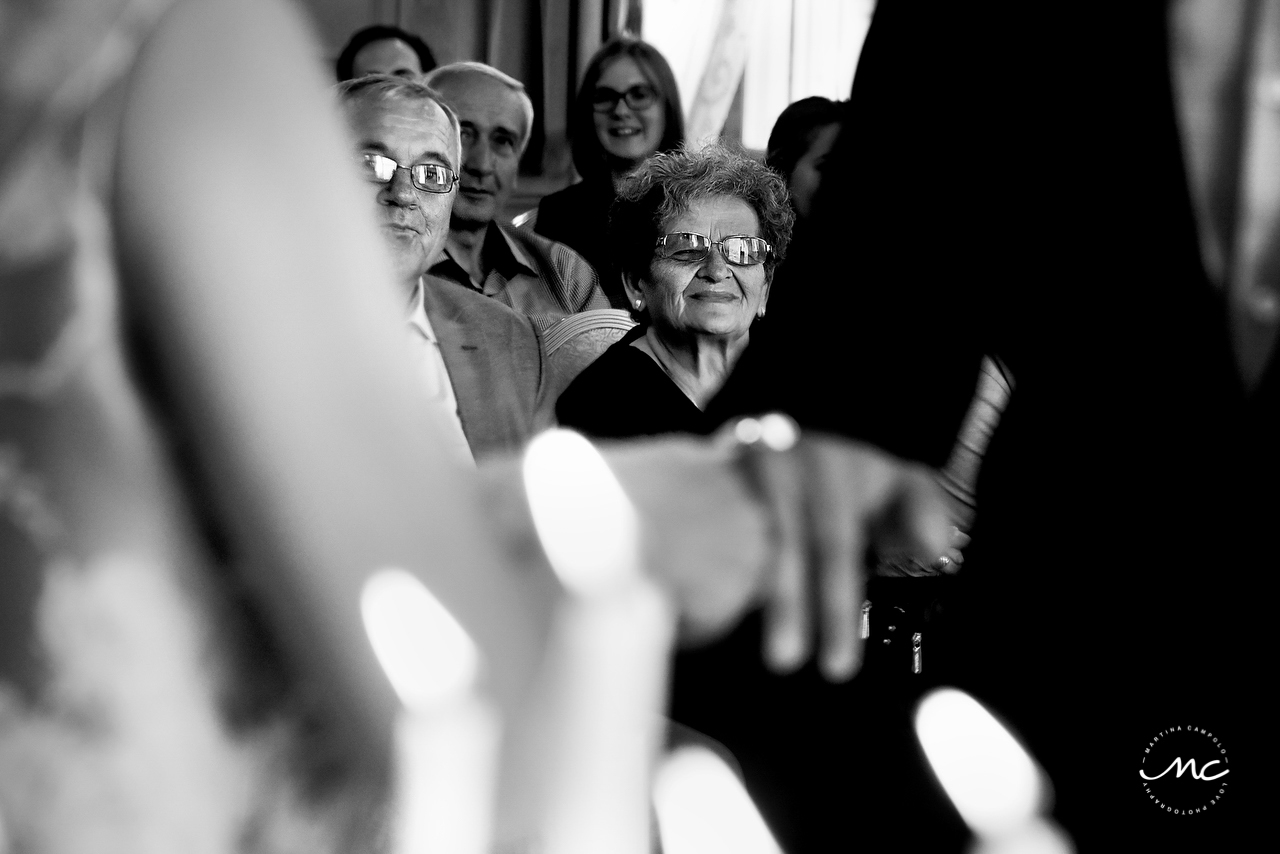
x: 435, y: 377
x: 537, y: 277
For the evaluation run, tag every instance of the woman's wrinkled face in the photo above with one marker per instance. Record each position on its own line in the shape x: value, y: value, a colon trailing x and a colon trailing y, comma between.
x: 710, y: 296
x: 627, y: 133
x: 807, y: 174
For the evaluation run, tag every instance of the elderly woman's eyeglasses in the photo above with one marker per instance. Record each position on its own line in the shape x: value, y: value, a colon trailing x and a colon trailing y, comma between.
x: 638, y: 97
x: 739, y: 250
x: 428, y: 177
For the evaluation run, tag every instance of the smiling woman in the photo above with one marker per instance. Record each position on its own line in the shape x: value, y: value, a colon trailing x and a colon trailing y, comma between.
x: 696, y: 236
x: 627, y: 112
x: 706, y: 282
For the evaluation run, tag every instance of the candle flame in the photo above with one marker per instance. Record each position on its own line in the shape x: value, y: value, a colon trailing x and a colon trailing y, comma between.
x: 703, y: 808
x: 995, y: 785
x: 426, y: 654
x: 584, y: 520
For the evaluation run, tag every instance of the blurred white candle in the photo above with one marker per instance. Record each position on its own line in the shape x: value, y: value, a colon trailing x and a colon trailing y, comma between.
x: 606, y: 676
x: 446, y: 738
x: 993, y: 782
x: 703, y: 808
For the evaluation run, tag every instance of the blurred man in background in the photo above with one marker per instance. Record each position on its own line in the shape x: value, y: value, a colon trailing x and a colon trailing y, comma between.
x: 479, y: 359
x: 536, y: 276
x: 382, y: 49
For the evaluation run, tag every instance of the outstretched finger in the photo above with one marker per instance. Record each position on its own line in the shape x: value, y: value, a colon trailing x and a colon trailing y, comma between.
x: 842, y: 583
x: 838, y: 517
x: 767, y: 454
x: 787, y: 619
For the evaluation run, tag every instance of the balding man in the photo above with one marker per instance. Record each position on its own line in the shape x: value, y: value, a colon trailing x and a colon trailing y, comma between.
x: 544, y: 279
x: 481, y: 360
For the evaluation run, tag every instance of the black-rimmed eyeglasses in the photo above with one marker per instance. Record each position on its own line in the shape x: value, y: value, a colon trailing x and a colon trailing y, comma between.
x: 428, y: 177
x: 638, y: 97
x: 739, y: 250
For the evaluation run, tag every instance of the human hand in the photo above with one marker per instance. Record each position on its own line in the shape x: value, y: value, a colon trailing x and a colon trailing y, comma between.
x: 832, y: 502
x: 704, y: 533
x: 899, y: 565
x: 731, y: 525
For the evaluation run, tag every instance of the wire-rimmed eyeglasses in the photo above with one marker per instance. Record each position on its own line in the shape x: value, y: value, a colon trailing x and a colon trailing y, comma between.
x: 740, y: 250
x: 428, y: 177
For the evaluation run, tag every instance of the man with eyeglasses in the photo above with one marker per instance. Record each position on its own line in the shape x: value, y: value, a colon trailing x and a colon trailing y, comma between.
x: 539, y: 277
x: 482, y: 361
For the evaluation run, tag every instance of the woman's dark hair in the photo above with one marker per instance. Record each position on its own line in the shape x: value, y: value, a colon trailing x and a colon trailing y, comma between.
x: 377, y: 33
x: 794, y: 130
x: 589, y: 157
x: 666, y: 185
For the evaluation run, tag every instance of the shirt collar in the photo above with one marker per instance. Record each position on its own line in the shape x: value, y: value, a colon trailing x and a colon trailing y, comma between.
x: 500, y: 252
x: 418, y: 314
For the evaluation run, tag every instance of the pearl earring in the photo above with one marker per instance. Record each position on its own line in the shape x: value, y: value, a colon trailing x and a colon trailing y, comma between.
x: 760, y: 313
x: 638, y: 302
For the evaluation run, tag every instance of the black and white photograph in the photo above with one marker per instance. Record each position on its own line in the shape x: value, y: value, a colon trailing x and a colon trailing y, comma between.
x: 638, y: 426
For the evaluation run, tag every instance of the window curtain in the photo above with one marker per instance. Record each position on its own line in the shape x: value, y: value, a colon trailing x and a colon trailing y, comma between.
x: 740, y: 62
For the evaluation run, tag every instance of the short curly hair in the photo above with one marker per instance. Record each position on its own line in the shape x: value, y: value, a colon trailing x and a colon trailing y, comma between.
x: 666, y: 185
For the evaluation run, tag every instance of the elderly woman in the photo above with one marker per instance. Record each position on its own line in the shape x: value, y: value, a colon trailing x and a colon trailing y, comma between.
x: 697, y: 236
x: 627, y: 109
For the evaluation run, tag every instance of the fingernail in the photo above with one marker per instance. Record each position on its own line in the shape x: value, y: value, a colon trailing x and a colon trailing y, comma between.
x: 786, y: 651
x: 840, y: 664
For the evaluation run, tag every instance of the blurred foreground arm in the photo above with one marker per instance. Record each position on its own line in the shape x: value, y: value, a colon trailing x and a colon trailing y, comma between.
x: 253, y: 263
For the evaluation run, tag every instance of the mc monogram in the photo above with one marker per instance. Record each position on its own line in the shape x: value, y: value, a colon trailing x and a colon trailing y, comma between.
x: 1184, y: 793
x: 1202, y: 774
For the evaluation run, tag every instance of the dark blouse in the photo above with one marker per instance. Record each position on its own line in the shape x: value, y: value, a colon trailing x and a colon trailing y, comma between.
x: 626, y: 393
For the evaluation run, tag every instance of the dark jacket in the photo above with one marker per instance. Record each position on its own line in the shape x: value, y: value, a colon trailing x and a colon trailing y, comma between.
x: 1115, y: 584
x: 578, y: 216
